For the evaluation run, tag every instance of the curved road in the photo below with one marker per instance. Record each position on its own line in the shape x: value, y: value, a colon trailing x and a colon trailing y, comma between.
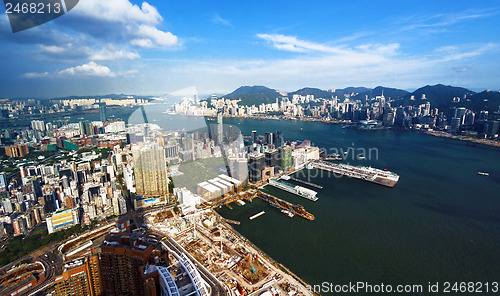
x: 217, y: 288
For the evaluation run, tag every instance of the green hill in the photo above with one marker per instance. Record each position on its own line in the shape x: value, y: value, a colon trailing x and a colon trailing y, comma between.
x: 439, y: 95
x: 254, y: 95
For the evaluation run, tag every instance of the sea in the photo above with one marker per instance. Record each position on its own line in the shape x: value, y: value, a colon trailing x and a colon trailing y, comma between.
x: 440, y: 224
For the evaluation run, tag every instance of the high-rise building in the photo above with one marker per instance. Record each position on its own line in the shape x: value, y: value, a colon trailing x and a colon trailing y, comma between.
x: 469, y: 118
x: 238, y: 167
x: 461, y: 114
x: 7, y: 206
x: 16, y: 150
x: 102, y: 111
x: 150, y: 170
x: 62, y: 219
x: 254, y: 136
x: 455, y: 124
x: 220, y: 126
x: 171, y: 151
x: 269, y: 139
x: 285, y: 154
x: 483, y: 115
x: 86, y: 128
x: 123, y: 259
x: 80, y: 277
x: 452, y: 112
x: 273, y: 160
x: 3, y: 182
x: 38, y: 125
x: 388, y: 119
x: 278, y: 139
x: 256, y: 164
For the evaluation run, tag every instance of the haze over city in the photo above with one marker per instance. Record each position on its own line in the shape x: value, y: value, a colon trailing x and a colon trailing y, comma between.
x: 153, y: 47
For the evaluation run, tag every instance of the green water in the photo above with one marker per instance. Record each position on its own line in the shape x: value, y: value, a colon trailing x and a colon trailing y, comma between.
x: 440, y: 223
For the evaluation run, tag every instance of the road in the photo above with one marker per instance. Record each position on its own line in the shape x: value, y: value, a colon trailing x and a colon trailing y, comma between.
x: 50, y: 271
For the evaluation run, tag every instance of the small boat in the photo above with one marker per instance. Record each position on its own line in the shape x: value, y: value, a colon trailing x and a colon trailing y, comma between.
x: 288, y: 213
x: 483, y: 174
x: 361, y: 157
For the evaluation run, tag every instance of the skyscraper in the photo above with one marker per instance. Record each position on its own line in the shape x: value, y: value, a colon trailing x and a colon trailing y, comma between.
x: 278, y: 139
x: 269, y: 139
x: 238, y: 168
x: 3, y: 182
x: 254, y: 136
x: 150, y: 170
x: 272, y: 160
x: 86, y: 128
x: 102, y: 111
x: 285, y: 154
x: 220, y: 135
x: 81, y: 277
x: 256, y: 163
x: 38, y: 125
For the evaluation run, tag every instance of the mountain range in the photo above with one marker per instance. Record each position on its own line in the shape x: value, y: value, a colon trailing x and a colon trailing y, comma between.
x: 440, y: 96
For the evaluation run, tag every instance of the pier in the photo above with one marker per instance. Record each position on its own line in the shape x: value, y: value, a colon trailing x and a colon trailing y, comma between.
x: 281, y: 204
x: 369, y: 174
x: 231, y: 221
x: 303, y: 182
x: 298, y: 190
x: 257, y: 215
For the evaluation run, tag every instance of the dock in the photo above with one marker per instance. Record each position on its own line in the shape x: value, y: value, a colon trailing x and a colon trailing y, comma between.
x: 281, y: 204
x: 257, y: 215
x: 303, y: 182
x: 298, y: 190
x: 369, y: 174
x: 232, y: 221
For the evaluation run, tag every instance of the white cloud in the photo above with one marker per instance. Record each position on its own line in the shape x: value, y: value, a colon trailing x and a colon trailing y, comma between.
x: 456, y: 53
x: 291, y: 43
x: 118, y: 11
x: 110, y: 53
x: 35, y: 75
x: 149, y: 33
x: 141, y: 42
x: 136, y: 26
x: 220, y: 21
x: 51, y: 48
x: 90, y: 69
x: 70, y: 51
x: 429, y: 23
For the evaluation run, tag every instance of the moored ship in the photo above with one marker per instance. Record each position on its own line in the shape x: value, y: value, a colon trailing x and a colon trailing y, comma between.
x: 288, y: 213
x: 382, y: 177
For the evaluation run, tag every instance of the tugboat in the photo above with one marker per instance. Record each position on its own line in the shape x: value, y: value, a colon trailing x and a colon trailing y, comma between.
x: 288, y: 213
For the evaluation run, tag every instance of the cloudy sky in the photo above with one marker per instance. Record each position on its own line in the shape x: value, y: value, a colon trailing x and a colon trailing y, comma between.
x: 158, y: 47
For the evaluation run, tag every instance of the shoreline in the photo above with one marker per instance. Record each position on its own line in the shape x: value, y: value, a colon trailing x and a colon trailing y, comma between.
x: 262, y: 253
x: 485, y: 142
x: 440, y: 134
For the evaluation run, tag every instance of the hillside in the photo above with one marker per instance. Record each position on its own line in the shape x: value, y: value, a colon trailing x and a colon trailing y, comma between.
x: 318, y: 93
x: 393, y: 93
x: 254, y: 95
x: 439, y: 95
x: 486, y: 100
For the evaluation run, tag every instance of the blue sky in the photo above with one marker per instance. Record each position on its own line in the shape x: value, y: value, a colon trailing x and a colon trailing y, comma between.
x: 160, y: 47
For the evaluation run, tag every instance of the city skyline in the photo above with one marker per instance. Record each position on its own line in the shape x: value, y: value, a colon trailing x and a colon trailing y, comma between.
x: 154, y: 48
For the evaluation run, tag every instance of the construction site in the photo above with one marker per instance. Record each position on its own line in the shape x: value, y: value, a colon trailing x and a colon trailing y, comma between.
x: 225, y: 253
